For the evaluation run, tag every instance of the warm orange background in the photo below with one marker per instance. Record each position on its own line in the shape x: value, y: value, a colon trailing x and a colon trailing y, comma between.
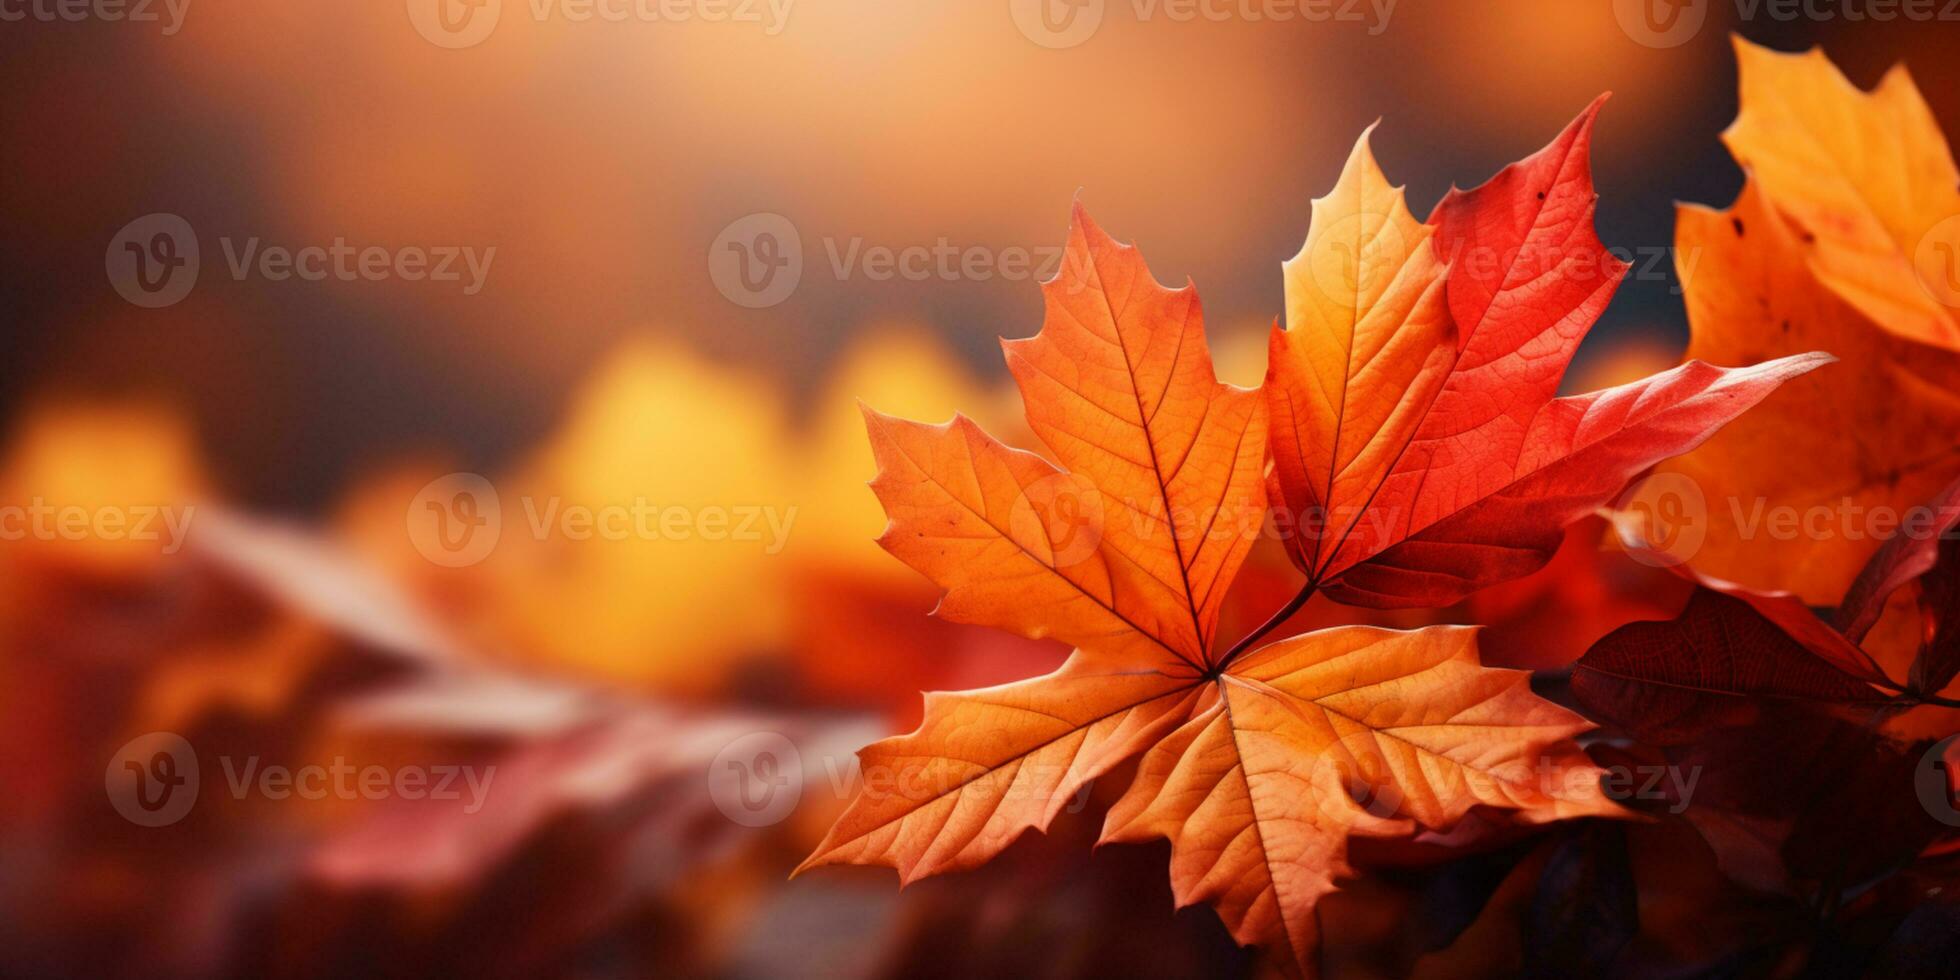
x: 601, y: 160
x: 599, y: 363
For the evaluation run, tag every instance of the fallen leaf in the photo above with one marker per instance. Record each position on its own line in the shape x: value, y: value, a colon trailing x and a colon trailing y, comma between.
x: 560, y: 751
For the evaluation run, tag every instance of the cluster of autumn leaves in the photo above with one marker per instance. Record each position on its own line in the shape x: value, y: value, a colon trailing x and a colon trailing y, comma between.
x: 1410, y: 447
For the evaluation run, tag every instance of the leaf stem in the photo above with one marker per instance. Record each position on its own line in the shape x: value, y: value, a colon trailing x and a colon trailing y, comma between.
x: 1908, y: 697
x: 1273, y: 622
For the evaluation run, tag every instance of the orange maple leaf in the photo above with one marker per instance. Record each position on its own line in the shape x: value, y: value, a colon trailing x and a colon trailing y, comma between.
x: 1808, y: 258
x: 1419, y: 451
x: 1128, y: 555
x: 1867, y: 176
x: 1257, y: 762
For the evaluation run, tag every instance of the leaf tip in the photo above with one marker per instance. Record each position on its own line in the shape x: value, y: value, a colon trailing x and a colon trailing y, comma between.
x: 872, y: 417
x: 1799, y: 364
x: 1364, y: 149
x: 1080, y: 221
x: 1590, y: 113
x: 815, y: 860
